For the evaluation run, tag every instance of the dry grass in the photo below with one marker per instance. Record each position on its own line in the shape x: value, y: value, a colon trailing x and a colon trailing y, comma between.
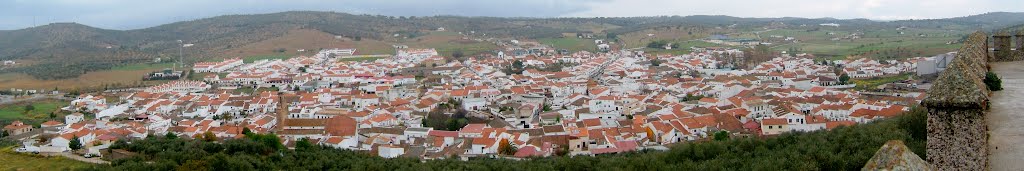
x: 9, y: 160
x: 91, y: 79
x: 640, y: 38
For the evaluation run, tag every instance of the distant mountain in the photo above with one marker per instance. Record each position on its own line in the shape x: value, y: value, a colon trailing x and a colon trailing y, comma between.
x: 65, y: 50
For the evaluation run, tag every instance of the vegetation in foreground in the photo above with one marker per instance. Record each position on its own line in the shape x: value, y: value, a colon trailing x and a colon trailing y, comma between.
x: 843, y: 148
x: 10, y: 160
x: 993, y: 82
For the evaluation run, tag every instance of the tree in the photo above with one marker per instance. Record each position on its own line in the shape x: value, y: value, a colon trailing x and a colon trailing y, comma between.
x: 455, y: 124
x: 655, y: 62
x: 75, y: 143
x: 246, y: 131
x: 993, y: 82
x: 193, y: 165
x: 505, y: 147
x: 721, y: 135
x: 518, y: 65
x: 303, y: 143
x: 457, y: 54
x: 29, y: 107
x: 358, y: 38
x: 657, y: 44
x: 515, y: 68
x: 170, y: 136
x: 209, y: 136
x: 611, y: 36
x: 843, y: 79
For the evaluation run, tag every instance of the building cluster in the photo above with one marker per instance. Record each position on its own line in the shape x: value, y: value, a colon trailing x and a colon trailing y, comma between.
x: 579, y: 103
x: 870, y: 68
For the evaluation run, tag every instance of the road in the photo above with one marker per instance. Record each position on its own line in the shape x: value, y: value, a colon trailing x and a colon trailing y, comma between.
x: 1005, y: 121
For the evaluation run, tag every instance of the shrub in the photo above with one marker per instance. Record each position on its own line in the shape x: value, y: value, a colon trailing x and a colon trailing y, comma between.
x: 993, y: 82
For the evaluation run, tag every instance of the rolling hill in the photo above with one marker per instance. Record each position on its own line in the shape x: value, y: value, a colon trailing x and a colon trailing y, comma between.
x: 68, y: 50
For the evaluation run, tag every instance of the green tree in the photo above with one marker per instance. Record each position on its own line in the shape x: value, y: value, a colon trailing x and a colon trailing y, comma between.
x: 246, y: 131
x: 721, y: 135
x: 657, y: 44
x: 75, y: 144
x: 844, y: 79
x: 193, y: 165
x: 209, y: 136
x: 655, y: 62
x: 518, y: 65
x: 29, y: 107
x: 457, y: 54
x: 170, y: 136
x: 455, y: 123
x: 303, y: 143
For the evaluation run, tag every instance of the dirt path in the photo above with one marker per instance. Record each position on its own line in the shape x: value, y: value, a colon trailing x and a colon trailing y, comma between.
x: 1006, y: 118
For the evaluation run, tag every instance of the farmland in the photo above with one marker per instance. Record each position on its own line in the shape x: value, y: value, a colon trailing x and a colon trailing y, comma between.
x: 572, y: 44
x: 447, y: 43
x: 879, y: 44
x: 40, y: 114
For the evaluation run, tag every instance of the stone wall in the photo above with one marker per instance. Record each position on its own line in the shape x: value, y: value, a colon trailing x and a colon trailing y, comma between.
x: 957, y: 139
x: 895, y: 155
x: 957, y: 131
x: 1004, y: 43
x: 1001, y: 40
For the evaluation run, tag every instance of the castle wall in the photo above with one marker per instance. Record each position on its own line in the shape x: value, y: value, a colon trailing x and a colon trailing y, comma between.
x: 957, y: 131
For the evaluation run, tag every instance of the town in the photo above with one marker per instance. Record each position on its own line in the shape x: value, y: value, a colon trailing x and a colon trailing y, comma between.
x: 522, y: 101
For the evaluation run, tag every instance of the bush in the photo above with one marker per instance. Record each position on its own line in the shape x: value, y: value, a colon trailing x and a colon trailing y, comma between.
x: 993, y: 81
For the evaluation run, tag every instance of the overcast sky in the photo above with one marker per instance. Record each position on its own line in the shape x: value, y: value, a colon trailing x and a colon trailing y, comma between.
x: 134, y: 14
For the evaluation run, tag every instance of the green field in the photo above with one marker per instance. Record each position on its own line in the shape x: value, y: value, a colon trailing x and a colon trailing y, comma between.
x: 879, y: 44
x: 39, y: 115
x: 10, y: 160
x: 143, y: 66
x: 684, y: 47
x: 446, y: 43
x: 572, y: 44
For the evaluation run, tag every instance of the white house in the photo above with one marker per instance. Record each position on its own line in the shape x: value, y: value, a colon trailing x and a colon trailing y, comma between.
x: 390, y: 151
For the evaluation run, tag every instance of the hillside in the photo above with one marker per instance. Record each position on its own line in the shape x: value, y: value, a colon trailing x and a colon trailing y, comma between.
x: 68, y: 50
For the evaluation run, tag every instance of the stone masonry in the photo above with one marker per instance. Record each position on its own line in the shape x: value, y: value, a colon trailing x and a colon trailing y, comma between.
x: 957, y: 131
